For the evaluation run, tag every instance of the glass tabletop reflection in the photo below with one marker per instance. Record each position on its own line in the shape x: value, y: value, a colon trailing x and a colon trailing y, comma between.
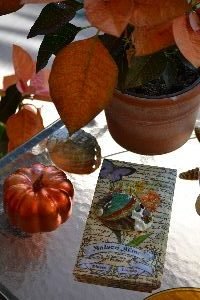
x: 40, y: 266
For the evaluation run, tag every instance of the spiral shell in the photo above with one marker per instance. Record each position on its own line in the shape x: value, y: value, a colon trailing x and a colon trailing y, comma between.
x: 192, y: 174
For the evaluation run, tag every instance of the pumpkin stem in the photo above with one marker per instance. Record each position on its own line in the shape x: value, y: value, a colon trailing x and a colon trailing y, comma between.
x: 37, y: 185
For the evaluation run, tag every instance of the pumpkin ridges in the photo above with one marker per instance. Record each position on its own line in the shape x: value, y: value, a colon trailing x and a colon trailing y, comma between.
x: 41, y: 209
x: 26, y: 207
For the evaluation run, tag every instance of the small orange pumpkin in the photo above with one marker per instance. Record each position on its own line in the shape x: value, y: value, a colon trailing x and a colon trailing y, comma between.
x: 38, y: 199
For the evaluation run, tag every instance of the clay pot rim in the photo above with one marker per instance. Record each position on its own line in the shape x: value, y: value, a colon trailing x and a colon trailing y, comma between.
x: 163, y: 99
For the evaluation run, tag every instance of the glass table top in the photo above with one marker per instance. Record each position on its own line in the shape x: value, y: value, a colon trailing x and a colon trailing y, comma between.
x: 40, y: 266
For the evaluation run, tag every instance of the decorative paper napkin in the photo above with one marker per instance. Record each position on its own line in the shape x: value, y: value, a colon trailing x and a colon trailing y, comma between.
x: 125, y: 237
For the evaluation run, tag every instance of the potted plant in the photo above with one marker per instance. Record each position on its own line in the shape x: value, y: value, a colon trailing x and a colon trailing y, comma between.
x: 141, y: 66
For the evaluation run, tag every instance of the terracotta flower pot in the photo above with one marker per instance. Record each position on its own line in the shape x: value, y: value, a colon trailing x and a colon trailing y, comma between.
x: 155, y: 125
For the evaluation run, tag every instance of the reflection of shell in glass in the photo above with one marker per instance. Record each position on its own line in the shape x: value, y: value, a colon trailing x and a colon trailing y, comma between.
x: 79, y: 154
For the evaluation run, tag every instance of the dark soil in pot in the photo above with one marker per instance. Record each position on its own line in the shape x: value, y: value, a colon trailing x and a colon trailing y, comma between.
x: 182, y: 78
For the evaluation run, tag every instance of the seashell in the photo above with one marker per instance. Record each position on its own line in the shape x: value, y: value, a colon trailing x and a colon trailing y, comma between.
x: 79, y: 154
x: 197, y: 132
x: 117, y: 206
x: 197, y: 205
x: 122, y: 212
x: 124, y: 224
x: 192, y: 174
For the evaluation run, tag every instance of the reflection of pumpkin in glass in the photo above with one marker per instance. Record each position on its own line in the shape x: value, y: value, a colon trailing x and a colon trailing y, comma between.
x: 38, y: 199
x: 20, y: 254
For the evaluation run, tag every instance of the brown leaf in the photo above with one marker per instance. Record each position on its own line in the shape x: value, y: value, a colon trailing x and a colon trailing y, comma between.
x: 109, y: 16
x: 23, y: 64
x: 154, y: 12
x: 21, y: 126
x: 148, y: 40
x: 8, y: 81
x: 187, y: 40
x: 82, y: 80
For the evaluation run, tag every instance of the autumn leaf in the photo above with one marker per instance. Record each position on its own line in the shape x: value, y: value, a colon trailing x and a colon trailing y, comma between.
x: 187, y: 40
x: 109, y: 16
x: 82, y: 81
x: 21, y: 126
x: 194, y: 20
x: 9, y: 80
x: 154, y: 12
x: 148, y: 40
x: 23, y: 63
x: 27, y: 81
x: 39, y: 82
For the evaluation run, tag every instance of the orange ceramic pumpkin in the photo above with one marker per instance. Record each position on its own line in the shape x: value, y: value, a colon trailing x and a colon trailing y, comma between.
x: 38, y: 199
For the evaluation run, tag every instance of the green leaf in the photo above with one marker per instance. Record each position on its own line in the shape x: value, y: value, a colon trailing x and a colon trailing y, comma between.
x: 9, y: 103
x: 52, y: 43
x: 145, y: 68
x: 170, y: 74
x: 138, y: 240
x: 53, y: 16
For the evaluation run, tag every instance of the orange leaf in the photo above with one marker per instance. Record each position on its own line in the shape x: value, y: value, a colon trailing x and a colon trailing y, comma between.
x: 8, y: 81
x: 82, y: 80
x: 39, y: 83
x: 23, y: 125
x: 194, y: 20
x: 109, y: 16
x: 187, y: 40
x: 154, y: 12
x: 148, y: 40
x: 23, y: 64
